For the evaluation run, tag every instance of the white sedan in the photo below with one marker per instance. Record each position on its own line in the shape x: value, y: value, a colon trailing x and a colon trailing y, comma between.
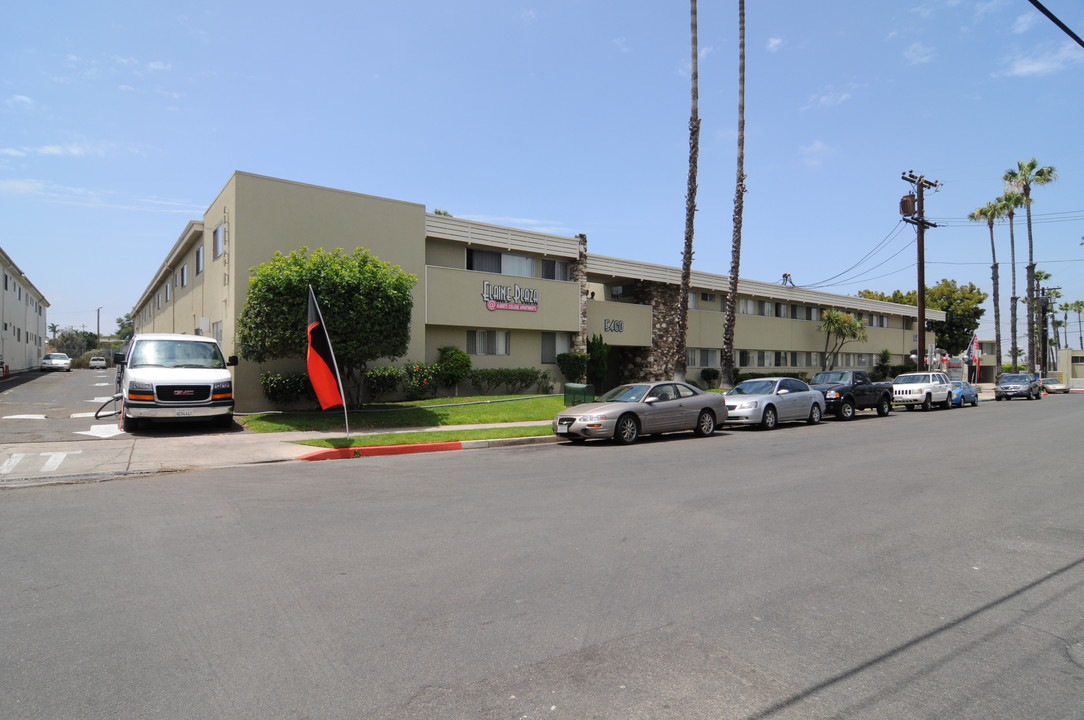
x: 769, y: 401
x: 56, y: 361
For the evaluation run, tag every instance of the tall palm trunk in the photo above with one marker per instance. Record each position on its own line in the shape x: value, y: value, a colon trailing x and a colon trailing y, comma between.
x: 1014, y: 349
x: 997, y: 300
x: 739, y: 201
x: 1030, y: 280
x: 690, y: 204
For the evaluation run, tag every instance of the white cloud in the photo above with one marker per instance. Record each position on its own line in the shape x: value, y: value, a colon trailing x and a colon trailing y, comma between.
x: 69, y: 150
x: 621, y: 44
x: 529, y: 15
x: 831, y: 96
x: 1025, y: 22
x: 774, y: 44
x: 918, y: 53
x: 86, y: 197
x: 815, y: 153
x: 159, y: 65
x: 19, y: 102
x: 1044, y: 61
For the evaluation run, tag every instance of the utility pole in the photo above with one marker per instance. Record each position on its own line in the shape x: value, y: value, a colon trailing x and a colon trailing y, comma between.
x: 913, y: 210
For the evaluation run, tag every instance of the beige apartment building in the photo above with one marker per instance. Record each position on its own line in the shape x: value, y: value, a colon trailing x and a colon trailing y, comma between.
x: 508, y: 297
x: 24, y: 312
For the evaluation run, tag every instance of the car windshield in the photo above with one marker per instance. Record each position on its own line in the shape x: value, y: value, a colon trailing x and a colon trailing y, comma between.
x: 624, y: 393
x: 754, y: 387
x: 176, y: 354
x: 911, y: 379
x: 1051, y: 378
x: 56, y: 356
x: 1014, y: 379
x: 958, y: 384
x: 823, y: 378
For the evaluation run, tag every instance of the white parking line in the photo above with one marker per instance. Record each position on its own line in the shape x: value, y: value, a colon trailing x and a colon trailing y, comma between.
x: 23, y: 417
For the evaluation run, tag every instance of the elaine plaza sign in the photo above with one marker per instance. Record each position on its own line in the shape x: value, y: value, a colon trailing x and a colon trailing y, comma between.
x: 509, y: 297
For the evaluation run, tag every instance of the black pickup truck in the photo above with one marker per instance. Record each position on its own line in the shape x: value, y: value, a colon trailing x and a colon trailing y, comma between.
x: 848, y: 390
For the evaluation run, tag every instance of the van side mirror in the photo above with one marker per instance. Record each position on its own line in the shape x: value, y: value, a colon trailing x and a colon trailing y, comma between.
x: 231, y: 360
x: 118, y: 358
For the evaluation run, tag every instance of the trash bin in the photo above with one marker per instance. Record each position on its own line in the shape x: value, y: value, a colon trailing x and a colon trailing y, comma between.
x: 576, y: 393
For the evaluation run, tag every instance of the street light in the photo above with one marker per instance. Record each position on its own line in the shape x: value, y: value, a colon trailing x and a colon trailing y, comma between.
x: 100, y: 327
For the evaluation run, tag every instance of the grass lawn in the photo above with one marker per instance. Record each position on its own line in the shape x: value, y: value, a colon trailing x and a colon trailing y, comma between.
x: 419, y: 414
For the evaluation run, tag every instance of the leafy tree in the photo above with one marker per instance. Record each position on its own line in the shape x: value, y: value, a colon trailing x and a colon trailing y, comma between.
x: 74, y: 343
x: 1022, y: 177
x: 839, y: 328
x: 598, y: 362
x: 125, y: 327
x: 366, y: 305
x: 962, y: 306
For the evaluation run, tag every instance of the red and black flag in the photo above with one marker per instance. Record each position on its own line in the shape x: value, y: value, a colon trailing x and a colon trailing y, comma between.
x: 323, y: 372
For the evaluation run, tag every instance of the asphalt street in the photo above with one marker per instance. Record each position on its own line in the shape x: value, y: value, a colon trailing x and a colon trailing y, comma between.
x: 922, y: 565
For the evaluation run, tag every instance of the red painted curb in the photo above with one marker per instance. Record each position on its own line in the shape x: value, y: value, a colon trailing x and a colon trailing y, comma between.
x: 356, y: 452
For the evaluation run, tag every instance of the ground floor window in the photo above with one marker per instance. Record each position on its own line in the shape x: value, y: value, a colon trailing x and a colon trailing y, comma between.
x: 702, y: 357
x: 554, y: 344
x: 488, y: 342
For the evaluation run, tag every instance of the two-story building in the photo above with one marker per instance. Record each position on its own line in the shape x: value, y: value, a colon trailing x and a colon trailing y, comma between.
x: 24, y: 311
x: 508, y: 297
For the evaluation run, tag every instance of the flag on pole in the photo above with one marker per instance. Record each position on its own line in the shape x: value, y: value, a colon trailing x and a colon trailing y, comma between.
x: 323, y: 372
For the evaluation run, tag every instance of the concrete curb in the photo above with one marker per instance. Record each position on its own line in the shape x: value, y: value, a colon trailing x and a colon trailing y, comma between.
x: 382, y: 450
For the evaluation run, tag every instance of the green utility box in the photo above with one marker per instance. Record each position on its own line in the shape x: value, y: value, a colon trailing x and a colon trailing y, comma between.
x: 575, y: 393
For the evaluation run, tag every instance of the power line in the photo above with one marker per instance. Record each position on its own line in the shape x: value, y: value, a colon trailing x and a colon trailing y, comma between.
x: 1065, y: 28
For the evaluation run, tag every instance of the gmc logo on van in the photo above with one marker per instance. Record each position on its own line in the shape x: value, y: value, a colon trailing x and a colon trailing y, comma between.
x: 183, y: 393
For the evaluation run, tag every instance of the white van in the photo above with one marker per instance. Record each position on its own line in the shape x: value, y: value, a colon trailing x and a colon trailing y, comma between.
x: 168, y: 376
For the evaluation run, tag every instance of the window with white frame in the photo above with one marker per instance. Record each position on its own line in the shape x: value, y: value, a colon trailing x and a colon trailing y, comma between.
x: 488, y: 342
x: 554, y: 344
x: 517, y: 265
x: 219, y: 242
x: 184, y: 275
x: 199, y: 259
x: 747, y: 306
x: 167, y: 291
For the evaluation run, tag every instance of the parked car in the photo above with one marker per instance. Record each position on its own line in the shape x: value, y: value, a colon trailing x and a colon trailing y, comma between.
x: 922, y: 389
x: 848, y: 390
x: 56, y: 361
x: 1053, y: 384
x: 964, y: 393
x: 97, y: 363
x: 170, y: 376
x: 769, y: 401
x: 1024, y: 385
x: 629, y: 411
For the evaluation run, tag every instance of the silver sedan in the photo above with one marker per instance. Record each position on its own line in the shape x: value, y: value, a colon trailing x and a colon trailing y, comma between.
x: 769, y: 401
x: 628, y: 411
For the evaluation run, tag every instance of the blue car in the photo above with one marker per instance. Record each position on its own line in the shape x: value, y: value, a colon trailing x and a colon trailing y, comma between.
x: 964, y: 393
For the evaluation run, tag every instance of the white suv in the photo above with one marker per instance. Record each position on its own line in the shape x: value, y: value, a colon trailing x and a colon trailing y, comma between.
x: 922, y: 389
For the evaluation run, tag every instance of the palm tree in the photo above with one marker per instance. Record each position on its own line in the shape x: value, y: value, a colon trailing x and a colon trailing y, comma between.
x: 988, y: 214
x: 690, y: 205
x: 839, y: 328
x: 54, y: 329
x: 739, y: 201
x: 1026, y: 174
x: 1076, y: 306
x: 1009, y: 202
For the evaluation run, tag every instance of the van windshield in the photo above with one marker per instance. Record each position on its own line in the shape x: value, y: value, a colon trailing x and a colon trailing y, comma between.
x: 176, y: 354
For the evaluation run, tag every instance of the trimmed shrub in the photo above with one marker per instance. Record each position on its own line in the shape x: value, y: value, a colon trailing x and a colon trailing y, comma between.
x: 710, y: 376
x: 453, y: 366
x: 380, y: 381
x: 286, y: 388
x: 420, y: 381
x: 513, y: 380
x: 573, y: 366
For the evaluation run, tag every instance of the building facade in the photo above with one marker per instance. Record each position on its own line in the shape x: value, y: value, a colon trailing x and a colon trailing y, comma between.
x: 508, y: 297
x: 25, y: 320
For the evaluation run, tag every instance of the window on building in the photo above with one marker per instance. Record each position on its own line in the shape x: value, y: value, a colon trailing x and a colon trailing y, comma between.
x: 702, y: 357
x: 743, y: 358
x: 219, y: 242
x: 184, y: 275
x: 813, y: 313
x: 765, y: 308
x: 488, y: 342
x: 555, y: 269
x: 747, y: 306
x: 199, y: 259
x: 517, y: 265
x: 216, y: 331
x: 167, y: 291
x: 781, y: 310
x: 483, y: 260
x: 158, y: 301
x: 554, y: 344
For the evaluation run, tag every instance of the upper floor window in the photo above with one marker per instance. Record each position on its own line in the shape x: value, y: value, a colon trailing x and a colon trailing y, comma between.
x: 483, y: 260
x: 184, y: 275
x: 555, y: 269
x: 219, y: 243
x: 199, y: 259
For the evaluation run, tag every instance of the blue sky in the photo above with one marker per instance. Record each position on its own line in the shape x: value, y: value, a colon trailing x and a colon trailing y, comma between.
x: 564, y: 116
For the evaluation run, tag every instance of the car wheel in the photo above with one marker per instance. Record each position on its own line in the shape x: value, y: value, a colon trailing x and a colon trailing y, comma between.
x: 128, y: 424
x: 846, y: 410
x: 884, y: 407
x: 627, y: 430
x: 975, y: 402
x: 946, y: 404
x: 769, y: 419
x: 927, y: 403
x: 814, y: 415
x: 998, y: 398
x: 1039, y: 395
x: 705, y: 424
